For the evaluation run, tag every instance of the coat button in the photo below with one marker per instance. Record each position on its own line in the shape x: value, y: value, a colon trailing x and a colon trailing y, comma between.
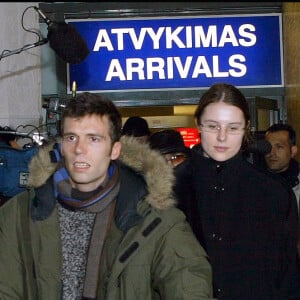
x: 218, y: 168
x: 218, y: 293
x: 216, y: 237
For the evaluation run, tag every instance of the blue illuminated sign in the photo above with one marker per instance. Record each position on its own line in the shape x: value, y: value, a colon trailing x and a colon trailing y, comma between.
x: 179, y: 53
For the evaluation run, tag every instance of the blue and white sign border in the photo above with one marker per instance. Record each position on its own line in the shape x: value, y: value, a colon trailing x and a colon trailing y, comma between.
x: 96, y: 62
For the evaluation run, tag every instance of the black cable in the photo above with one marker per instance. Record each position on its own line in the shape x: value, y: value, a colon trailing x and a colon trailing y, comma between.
x: 41, y: 40
x: 26, y: 29
x: 31, y: 132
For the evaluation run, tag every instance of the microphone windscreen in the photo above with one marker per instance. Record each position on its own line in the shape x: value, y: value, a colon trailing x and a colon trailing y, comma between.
x: 66, y: 41
x: 260, y: 147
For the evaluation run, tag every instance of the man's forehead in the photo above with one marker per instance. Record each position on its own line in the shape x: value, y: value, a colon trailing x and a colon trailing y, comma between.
x: 279, y: 137
x: 279, y: 133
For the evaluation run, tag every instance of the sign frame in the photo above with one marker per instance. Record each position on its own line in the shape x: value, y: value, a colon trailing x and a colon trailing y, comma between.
x: 155, y: 87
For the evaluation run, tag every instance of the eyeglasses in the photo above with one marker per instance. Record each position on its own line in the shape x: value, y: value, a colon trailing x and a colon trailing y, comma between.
x: 232, y: 129
x: 175, y: 159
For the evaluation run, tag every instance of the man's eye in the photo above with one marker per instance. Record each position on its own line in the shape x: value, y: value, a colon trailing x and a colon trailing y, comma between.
x: 70, y: 138
x: 94, y: 139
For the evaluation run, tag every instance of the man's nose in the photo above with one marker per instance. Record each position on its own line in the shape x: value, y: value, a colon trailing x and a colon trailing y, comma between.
x: 272, y: 152
x: 80, y: 146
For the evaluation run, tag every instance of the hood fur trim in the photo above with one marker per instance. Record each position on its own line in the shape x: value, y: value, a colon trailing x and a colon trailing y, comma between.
x: 158, y: 174
x: 41, y: 167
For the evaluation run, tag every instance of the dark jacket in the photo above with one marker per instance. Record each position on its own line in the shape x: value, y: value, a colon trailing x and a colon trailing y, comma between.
x: 184, y: 190
x: 247, y: 224
x: 292, y: 173
x: 150, y: 252
x: 292, y: 176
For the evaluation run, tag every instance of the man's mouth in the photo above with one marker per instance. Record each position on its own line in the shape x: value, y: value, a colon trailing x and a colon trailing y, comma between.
x: 81, y: 165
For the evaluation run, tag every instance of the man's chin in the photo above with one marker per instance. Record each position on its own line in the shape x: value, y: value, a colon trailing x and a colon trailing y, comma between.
x: 272, y: 166
x: 275, y: 170
x: 79, y: 180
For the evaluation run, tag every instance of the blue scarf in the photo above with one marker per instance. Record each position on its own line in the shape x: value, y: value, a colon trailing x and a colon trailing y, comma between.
x: 63, y: 189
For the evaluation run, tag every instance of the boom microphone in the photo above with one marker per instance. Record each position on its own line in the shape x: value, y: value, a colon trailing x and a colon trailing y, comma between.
x: 262, y: 147
x: 65, y: 40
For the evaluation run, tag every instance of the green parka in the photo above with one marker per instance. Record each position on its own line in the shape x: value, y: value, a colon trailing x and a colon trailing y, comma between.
x: 150, y: 252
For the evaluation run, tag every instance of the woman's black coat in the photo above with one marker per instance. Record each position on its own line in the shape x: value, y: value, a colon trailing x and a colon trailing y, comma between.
x: 247, y: 223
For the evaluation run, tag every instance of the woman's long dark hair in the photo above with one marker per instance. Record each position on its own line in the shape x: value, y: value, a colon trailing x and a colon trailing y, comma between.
x: 229, y: 94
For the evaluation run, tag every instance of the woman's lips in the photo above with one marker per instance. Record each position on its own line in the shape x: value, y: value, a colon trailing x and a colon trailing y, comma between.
x: 221, y: 149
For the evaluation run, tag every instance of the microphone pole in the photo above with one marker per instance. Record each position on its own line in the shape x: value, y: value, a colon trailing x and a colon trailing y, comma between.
x: 63, y: 38
x: 6, y: 53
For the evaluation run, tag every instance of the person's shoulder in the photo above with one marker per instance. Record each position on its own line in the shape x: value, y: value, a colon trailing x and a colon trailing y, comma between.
x: 172, y: 214
x: 270, y: 179
x: 20, y: 199
x: 15, y: 208
x: 197, y: 160
x: 261, y: 173
x: 167, y: 220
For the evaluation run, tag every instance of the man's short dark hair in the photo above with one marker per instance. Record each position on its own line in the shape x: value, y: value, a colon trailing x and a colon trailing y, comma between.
x: 136, y: 126
x: 92, y: 104
x: 284, y: 127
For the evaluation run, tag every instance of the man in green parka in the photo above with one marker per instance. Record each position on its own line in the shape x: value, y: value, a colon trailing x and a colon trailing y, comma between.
x: 99, y: 221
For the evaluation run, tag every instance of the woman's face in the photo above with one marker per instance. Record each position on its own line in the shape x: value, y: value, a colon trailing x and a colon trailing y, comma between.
x: 222, y: 129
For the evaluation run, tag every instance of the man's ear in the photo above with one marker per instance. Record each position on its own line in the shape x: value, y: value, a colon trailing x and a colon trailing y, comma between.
x: 294, y: 150
x: 116, y: 150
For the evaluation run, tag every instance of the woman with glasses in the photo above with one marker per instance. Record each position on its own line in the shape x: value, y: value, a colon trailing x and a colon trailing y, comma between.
x: 245, y: 219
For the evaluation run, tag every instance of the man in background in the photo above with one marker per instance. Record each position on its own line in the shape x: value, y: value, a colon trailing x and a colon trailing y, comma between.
x: 14, y: 162
x: 136, y: 127
x: 281, y: 159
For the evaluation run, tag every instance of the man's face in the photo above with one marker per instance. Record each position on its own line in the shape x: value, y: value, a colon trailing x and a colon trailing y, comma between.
x: 279, y: 158
x: 87, y: 150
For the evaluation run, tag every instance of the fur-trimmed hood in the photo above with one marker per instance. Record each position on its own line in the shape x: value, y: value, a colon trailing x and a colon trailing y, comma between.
x: 157, y: 173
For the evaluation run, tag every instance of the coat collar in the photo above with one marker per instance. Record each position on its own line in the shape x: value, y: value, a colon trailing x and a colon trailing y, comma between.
x: 157, y: 174
x: 292, y: 173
